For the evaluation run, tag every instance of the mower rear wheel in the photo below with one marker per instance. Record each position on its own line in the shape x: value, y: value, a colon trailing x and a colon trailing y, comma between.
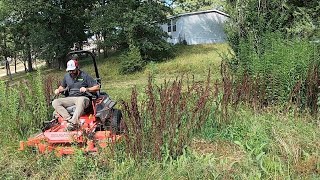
x: 115, y: 121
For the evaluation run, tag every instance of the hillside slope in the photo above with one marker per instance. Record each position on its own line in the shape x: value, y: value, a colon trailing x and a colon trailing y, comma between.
x: 249, y: 144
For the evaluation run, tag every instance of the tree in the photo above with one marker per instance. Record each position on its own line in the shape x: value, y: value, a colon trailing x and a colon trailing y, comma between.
x: 47, y: 29
x: 255, y: 18
x: 182, y: 6
x: 131, y: 22
x: 61, y: 24
x: 4, y: 37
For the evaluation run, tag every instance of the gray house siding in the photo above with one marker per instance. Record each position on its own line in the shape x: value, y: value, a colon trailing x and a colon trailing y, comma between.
x: 197, y: 28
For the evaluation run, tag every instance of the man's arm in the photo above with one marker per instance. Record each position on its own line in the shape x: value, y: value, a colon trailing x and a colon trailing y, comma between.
x: 93, y: 88
x: 90, y: 89
x: 59, y: 90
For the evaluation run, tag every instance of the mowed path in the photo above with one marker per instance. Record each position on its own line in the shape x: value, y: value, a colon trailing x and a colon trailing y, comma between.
x: 20, y: 68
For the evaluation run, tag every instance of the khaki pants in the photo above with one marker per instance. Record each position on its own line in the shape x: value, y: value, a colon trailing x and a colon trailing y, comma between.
x: 61, y: 104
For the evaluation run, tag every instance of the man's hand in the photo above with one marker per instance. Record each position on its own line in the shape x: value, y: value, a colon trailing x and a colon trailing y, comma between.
x: 83, y: 89
x: 57, y: 92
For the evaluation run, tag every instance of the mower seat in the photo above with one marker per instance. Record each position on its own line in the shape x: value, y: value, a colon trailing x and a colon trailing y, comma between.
x: 71, y: 109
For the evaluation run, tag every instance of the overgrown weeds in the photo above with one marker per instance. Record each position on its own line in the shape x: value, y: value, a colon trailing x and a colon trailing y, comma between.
x: 162, y: 122
x: 162, y: 125
x: 24, y: 105
x: 281, y: 72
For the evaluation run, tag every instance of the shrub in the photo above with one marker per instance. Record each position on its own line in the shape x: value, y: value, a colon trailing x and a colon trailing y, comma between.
x: 283, y: 68
x: 131, y: 61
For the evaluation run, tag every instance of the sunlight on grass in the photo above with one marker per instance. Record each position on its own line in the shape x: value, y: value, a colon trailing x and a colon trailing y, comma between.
x: 194, y: 61
x: 250, y: 145
x: 190, y: 60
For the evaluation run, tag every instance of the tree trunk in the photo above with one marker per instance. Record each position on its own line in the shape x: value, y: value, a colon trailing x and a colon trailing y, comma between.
x: 8, y: 68
x: 98, y: 45
x: 29, y: 58
x: 25, y: 65
x: 105, y: 48
x: 6, y: 57
x: 61, y: 62
x: 15, y: 64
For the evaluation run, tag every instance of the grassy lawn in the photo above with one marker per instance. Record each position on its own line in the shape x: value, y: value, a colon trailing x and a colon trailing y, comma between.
x: 249, y: 145
x: 191, y: 61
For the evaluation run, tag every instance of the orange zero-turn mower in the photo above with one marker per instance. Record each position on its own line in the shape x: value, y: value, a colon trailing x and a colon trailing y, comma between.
x: 99, y: 125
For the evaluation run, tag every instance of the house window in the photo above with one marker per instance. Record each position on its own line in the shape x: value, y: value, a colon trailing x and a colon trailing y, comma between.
x: 174, y: 25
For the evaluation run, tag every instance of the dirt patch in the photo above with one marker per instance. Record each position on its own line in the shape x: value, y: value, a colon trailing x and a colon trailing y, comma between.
x: 219, y: 147
x: 20, y: 68
x: 308, y: 166
x: 227, y: 155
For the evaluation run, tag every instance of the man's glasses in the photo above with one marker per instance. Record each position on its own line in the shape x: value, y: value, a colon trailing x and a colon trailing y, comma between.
x: 71, y: 71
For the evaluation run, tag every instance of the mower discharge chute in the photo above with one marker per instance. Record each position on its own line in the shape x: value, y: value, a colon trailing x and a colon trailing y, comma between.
x: 99, y: 126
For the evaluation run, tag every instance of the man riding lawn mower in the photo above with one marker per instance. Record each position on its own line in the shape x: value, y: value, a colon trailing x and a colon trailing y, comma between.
x: 75, y: 83
x: 85, y: 118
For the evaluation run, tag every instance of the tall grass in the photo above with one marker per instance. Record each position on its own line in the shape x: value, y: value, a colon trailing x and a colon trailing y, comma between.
x: 23, y: 106
x: 271, y: 145
x: 182, y: 129
x: 276, y: 71
x: 9, y: 115
x: 250, y: 146
x: 162, y: 125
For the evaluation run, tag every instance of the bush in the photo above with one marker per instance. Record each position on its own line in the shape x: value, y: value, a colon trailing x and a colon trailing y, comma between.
x: 278, y: 64
x: 23, y: 106
x: 131, y: 61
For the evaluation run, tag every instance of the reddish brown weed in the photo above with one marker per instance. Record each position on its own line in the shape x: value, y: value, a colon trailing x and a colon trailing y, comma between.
x: 163, y: 123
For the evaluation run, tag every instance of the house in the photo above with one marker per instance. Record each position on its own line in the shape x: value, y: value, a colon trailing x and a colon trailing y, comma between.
x: 200, y: 27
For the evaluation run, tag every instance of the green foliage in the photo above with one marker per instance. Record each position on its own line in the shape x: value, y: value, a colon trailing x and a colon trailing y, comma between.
x: 9, y: 104
x: 131, y: 61
x: 279, y: 63
x: 276, y: 146
x: 31, y: 30
x: 82, y: 166
x: 273, y: 48
x: 250, y: 145
x: 130, y: 22
x: 45, y: 30
x: 252, y: 19
x: 24, y: 107
x: 182, y: 6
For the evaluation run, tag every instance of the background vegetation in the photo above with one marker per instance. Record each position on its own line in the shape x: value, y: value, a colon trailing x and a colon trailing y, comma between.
x: 247, y: 144
x: 278, y: 49
x: 243, y: 110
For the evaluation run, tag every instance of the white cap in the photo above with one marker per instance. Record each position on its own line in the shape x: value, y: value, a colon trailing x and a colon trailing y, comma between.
x: 72, y: 65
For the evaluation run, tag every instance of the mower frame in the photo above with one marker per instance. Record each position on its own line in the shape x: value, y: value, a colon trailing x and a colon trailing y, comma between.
x: 93, y: 133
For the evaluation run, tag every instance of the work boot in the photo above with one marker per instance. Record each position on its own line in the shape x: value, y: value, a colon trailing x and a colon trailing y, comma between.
x: 48, y: 124
x: 71, y: 127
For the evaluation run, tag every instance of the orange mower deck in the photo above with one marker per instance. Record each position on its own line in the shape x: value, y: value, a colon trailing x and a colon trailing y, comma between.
x: 85, y: 139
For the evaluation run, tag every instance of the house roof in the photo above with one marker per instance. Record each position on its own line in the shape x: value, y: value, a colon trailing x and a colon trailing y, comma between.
x: 200, y: 12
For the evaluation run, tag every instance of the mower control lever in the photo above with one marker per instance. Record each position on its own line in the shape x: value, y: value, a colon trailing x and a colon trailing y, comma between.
x: 87, y: 93
x: 56, y: 95
x: 91, y: 95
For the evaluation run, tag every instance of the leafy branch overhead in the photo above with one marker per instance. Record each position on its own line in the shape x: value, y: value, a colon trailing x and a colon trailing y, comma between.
x: 49, y: 29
